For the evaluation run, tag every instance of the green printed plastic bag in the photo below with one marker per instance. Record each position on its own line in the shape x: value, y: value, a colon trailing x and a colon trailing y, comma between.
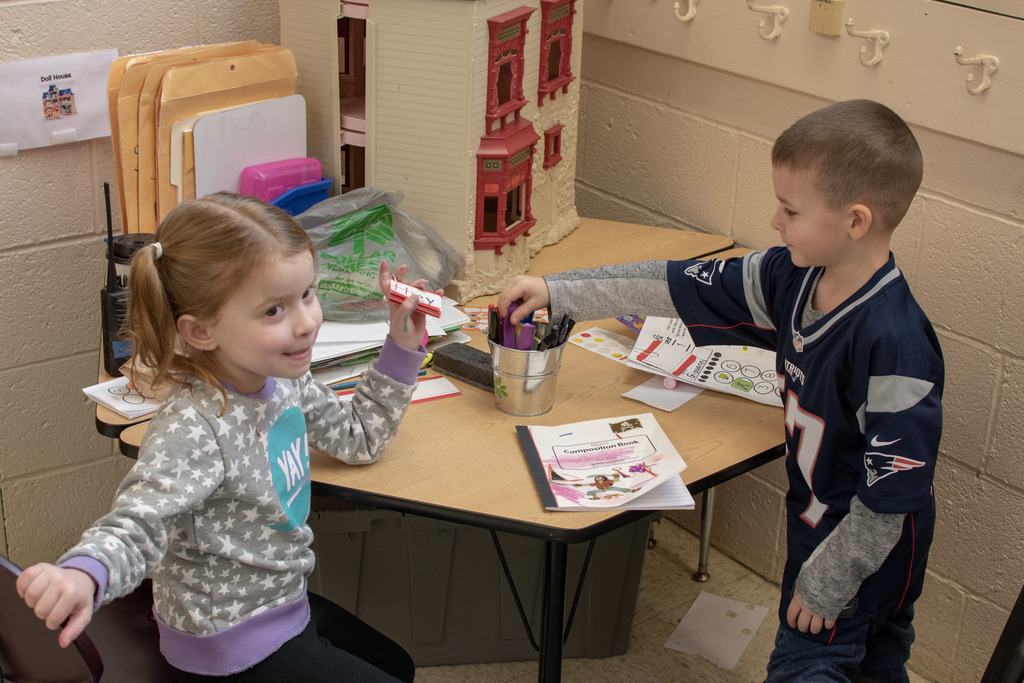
x: 353, y: 233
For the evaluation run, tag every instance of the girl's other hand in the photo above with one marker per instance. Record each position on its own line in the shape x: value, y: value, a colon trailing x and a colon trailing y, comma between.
x: 408, y: 327
x: 56, y: 594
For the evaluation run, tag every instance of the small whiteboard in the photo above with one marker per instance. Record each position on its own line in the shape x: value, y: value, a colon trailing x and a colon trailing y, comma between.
x: 226, y: 142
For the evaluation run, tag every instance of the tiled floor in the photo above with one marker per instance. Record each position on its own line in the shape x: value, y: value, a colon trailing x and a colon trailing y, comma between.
x: 666, y: 593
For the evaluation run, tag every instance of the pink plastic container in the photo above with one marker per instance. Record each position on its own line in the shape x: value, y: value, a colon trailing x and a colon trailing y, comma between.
x: 270, y: 180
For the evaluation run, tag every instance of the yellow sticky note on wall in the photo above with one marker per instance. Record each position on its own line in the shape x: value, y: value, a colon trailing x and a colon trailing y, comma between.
x: 827, y: 17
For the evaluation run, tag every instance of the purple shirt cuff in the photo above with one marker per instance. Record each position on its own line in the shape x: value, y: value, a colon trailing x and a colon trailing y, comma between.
x: 399, y: 363
x: 94, y: 568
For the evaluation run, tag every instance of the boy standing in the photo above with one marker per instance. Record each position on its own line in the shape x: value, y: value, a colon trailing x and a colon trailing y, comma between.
x: 861, y: 373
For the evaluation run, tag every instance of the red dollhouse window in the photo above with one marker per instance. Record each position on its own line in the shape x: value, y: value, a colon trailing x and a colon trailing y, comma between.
x: 552, y: 146
x: 555, y: 47
x: 506, y: 54
x: 504, y: 184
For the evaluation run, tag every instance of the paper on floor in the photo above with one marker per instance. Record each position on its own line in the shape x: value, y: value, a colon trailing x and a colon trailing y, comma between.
x: 717, y: 628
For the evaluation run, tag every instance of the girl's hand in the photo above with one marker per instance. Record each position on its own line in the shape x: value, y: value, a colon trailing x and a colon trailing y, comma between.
x: 408, y: 327
x: 531, y: 293
x: 56, y: 594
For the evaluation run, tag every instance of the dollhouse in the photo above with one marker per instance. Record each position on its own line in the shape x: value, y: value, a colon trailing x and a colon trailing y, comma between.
x: 58, y: 102
x: 468, y: 107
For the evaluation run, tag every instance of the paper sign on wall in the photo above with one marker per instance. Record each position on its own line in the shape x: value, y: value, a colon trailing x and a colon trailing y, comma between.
x: 53, y: 100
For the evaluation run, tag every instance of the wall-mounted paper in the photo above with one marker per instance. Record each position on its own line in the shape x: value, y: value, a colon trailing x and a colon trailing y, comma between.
x: 53, y: 100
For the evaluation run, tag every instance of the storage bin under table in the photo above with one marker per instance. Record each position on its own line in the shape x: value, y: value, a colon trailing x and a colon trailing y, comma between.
x: 438, y: 588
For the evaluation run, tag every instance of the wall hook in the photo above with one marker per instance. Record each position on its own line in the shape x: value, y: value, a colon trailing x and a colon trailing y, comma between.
x: 691, y: 10
x: 989, y: 65
x: 778, y: 13
x: 879, y: 40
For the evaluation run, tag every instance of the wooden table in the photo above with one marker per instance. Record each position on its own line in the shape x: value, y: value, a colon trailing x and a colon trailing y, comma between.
x: 459, y: 459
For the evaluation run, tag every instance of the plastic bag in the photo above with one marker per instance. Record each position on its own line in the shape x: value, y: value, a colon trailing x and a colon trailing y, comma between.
x: 352, y: 233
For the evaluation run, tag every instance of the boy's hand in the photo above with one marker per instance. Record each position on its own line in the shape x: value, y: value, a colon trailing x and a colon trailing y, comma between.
x: 56, y: 594
x: 531, y: 293
x: 800, y: 617
x: 408, y: 327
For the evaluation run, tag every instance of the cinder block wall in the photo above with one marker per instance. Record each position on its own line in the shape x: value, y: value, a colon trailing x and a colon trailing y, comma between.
x: 668, y: 142
x: 56, y: 472
x: 662, y: 142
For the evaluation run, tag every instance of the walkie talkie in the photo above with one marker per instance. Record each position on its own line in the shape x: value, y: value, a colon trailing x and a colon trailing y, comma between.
x: 114, y: 306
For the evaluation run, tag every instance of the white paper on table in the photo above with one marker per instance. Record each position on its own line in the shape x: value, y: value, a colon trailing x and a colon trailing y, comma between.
x: 351, y: 333
x: 434, y: 328
x: 717, y: 628
x: 665, y: 347
x: 456, y: 337
x: 427, y: 389
x: 604, y: 343
x: 359, y: 333
x: 123, y: 398
x: 451, y: 317
x: 337, y: 373
x: 654, y: 393
x: 325, y: 351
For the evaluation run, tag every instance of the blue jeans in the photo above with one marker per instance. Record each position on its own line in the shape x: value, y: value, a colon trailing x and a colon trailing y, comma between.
x: 881, y: 657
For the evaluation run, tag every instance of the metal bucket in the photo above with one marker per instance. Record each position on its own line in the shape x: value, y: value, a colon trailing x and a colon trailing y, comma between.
x: 524, y: 381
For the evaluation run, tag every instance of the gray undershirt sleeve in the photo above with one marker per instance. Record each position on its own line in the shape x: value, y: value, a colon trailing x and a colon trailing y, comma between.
x: 854, y: 550
x: 610, y: 291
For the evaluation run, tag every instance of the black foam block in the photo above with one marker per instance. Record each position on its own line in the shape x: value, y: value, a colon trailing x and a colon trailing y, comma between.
x: 466, y: 363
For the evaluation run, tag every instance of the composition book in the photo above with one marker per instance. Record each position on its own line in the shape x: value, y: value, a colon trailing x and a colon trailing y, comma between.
x: 625, y: 463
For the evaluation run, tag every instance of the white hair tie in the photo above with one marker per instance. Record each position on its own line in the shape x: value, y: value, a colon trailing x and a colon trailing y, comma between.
x: 159, y: 250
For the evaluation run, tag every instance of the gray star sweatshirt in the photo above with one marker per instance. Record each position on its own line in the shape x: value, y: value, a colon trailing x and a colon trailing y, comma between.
x: 215, y: 509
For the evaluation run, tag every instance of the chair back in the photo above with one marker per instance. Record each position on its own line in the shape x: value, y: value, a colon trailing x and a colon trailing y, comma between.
x: 1007, y: 662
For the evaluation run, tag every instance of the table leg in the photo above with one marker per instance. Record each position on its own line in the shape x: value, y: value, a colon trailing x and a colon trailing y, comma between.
x: 553, y: 612
x: 707, y: 503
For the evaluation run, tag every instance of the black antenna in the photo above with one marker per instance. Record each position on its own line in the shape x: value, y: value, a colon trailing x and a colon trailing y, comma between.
x: 112, y: 282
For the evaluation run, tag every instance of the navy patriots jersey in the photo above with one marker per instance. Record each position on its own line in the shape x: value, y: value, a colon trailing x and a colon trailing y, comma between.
x: 861, y: 389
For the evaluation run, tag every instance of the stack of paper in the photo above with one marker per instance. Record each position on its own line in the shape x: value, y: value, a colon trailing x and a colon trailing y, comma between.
x: 427, y: 389
x: 344, y: 350
x: 121, y: 397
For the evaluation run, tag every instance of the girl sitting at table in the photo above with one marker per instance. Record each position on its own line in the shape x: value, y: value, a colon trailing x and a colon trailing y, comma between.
x: 223, y: 307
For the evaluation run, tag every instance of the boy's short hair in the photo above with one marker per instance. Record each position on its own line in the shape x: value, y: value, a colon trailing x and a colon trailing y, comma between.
x: 858, y: 151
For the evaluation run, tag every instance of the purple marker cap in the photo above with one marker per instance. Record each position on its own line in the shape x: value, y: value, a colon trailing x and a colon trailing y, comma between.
x: 524, y: 341
x: 508, y: 329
